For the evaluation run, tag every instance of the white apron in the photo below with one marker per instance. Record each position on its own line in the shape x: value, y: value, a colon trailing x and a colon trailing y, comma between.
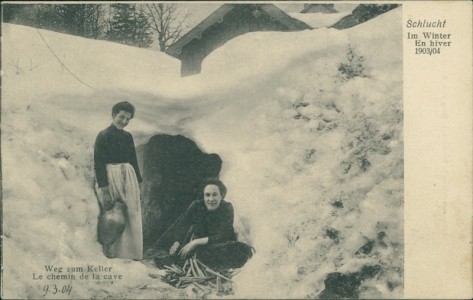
x: 123, y: 184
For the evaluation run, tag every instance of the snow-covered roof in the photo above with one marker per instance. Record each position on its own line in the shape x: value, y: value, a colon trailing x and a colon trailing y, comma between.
x: 318, y: 20
x: 319, y: 8
x: 218, y: 15
x: 363, y: 13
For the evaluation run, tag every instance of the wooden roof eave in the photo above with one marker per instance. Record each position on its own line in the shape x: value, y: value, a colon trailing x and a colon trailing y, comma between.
x: 196, y: 32
x: 285, y: 19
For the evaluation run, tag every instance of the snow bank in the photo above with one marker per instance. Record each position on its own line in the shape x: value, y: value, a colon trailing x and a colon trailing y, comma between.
x: 49, y: 123
x: 316, y: 163
x: 312, y: 159
x: 44, y: 58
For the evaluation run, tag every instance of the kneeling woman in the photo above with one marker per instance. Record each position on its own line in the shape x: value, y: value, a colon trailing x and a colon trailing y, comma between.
x: 206, y: 229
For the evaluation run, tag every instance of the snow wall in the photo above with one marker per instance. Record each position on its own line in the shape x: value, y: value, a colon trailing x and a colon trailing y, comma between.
x: 308, y: 125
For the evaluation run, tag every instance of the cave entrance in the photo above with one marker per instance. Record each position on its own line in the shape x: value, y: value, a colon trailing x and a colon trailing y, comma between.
x: 173, y: 169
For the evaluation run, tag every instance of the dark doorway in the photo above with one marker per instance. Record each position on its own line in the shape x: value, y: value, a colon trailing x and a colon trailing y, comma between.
x: 173, y: 169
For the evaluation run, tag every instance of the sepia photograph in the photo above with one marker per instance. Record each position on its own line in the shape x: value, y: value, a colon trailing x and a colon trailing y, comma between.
x: 194, y: 150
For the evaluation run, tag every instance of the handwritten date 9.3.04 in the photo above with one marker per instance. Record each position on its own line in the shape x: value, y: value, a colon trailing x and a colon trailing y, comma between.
x: 54, y: 289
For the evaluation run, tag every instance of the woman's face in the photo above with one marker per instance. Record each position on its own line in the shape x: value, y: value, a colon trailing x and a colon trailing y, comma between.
x: 121, y: 119
x: 212, y: 197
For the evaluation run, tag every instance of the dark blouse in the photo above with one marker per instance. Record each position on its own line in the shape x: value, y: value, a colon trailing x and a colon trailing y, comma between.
x: 113, y: 146
x: 216, y: 225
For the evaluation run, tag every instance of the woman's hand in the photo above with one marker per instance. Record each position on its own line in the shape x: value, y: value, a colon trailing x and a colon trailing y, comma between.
x: 192, y: 245
x: 188, y: 248
x: 174, y: 247
x: 107, y: 200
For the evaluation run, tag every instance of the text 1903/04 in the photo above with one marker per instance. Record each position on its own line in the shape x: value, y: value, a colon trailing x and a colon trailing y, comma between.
x: 54, y: 289
x: 428, y: 51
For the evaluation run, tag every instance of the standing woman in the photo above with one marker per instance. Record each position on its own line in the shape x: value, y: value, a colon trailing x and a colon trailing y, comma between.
x: 118, y: 178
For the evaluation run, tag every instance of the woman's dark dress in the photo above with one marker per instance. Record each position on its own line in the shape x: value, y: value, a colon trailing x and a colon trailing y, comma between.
x: 222, y: 249
x: 116, y: 166
x: 113, y: 146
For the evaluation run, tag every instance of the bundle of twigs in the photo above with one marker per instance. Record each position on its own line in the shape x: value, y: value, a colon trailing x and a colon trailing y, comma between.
x: 196, y: 273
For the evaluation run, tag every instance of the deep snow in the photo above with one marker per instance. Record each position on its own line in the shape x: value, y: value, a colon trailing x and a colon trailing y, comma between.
x: 313, y: 161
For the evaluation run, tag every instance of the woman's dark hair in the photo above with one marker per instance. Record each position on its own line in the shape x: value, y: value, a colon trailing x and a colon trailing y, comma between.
x: 214, y: 181
x: 124, y: 105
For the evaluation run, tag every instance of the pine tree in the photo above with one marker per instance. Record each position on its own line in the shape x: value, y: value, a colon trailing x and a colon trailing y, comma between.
x: 129, y: 25
x: 121, y: 24
x: 45, y: 16
x: 143, y: 36
x: 78, y: 19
